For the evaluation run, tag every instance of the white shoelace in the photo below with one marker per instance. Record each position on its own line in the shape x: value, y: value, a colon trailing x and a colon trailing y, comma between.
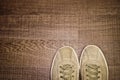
x: 66, y: 72
x: 92, y: 72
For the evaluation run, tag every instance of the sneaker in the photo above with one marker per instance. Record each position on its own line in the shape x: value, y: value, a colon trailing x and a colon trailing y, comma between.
x: 93, y: 65
x: 65, y: 65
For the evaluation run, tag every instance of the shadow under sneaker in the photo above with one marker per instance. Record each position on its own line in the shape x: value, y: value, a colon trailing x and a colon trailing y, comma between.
x: 65, y: 65
x: 93, y: 65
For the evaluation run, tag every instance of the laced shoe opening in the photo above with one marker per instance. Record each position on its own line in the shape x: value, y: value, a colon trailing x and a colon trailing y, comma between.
x: 92, y: 71
x: 66, y: 72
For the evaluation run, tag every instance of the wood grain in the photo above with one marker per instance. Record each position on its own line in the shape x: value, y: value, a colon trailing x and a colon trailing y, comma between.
x: 31, y: 31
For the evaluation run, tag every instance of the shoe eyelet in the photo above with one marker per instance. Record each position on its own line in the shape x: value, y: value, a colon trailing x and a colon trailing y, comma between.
x: 61, y: 76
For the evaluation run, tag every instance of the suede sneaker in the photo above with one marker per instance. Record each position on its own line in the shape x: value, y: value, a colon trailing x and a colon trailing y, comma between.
x: 93, y: 65
x: 65, y: 65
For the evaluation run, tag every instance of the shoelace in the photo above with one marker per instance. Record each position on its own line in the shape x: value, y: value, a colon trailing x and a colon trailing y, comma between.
x: 92, y: 72
x: 66, y: 71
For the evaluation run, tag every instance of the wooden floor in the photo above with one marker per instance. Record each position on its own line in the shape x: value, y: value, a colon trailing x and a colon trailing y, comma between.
x: 31, y: 31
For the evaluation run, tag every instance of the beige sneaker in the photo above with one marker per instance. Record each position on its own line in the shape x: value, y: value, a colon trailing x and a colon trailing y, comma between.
x: 93, y: 65
x: 65, y: 65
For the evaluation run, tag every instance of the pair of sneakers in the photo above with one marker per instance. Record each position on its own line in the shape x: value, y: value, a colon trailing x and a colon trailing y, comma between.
x: 92, y: 65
